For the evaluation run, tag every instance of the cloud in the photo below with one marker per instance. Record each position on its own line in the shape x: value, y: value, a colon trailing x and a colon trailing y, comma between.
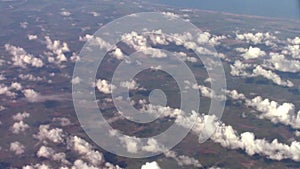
x: 94, y: 158
x: 183, y: 160
x: 22, y: 58
x: 57, y: 49
x: 79, y: 164
x: 6, y: 91
x: 248, y: 70
x: 183, y: 56
x: 17, y: 148
x: 15, y: 85
x: 268, y: 74
x: 104, y: 86
x: 30, y: 94
x: 19, y: 127
x: 130, y: 85
x: 95, y: 14
x: 20, y: 116
x: 37, y: 166
x: 139, y: 43
x: 253, y: 52
x: 151, y: 165
x: 63, y: 121
x: 117, y: 53
x: 277, y: 113
x: 235, y: 95
x: 258, y: 38
x: 64, y: 12
x: 228, y: 137
x: 32, y: 37
x: 49, y: 153
x: 239, y: 69
x: 46, y: 134
x: 284, y: 113
x: 85, y: 149
x: 208, y: 92
x: 292, y: 50
x: 295, y: 41
x: 31, y: 77
x: 281, y: 63
x: 96, y: 41
x: 76, y: 80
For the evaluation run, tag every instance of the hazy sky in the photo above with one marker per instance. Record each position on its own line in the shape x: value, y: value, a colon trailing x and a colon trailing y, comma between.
x: 271, y: 8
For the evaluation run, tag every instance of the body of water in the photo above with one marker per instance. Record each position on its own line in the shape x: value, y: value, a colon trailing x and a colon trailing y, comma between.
x: 289, y: 9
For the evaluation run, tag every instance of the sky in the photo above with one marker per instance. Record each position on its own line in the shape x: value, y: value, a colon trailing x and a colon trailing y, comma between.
x: 270, y: 8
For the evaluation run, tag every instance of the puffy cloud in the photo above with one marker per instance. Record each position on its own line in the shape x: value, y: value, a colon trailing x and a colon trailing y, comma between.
x: 24, y: 25
x: 32, y: 37
x: 20, y: 116
x: 37, y: 166
x: 258, y: 38
x: 85, y: 149
x: 293, y: 50
x: 64, y: 12
x: 268, y: 109
x: 18, y: 127
x: 253, y: 52
x: 244, y: 70
x: 229, y: 138
x: 45, y: 133
x: 96, y: 41
x: 104, y: 86
x: 208, y: 92
x: 117, y: 53
x: 49, y: 153
x: 131, y: 85
x: 9, y: 90
x: 76, y: 80
x: 6, y: 91
x: 16, y: 86
x: 139, y: 42
x: 295, y: 41
x: 30, y: 77
x: 184, y: 57
x: 239, y: 69
x: 17, y: 148
x: 22, y: 58
x: 62, y: 120
x: 157, y: 37
x: 79, y: 164
x: 30, y: 94
x: 281, y: 63
x: 268, y: 74
x: 277, y: 113
x: 183, y: 160
x: 151, y: 165
x: 57, y: 49
x: 235, y: 95
x: 95, y: 14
